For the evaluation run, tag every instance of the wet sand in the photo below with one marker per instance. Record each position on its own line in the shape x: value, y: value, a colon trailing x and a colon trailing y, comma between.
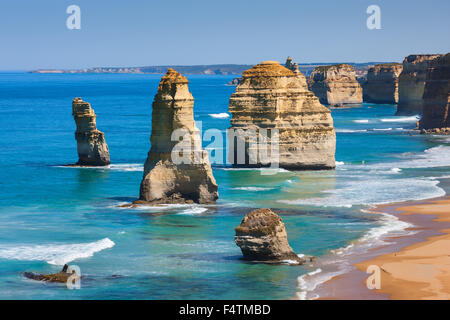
x: 411, y: 267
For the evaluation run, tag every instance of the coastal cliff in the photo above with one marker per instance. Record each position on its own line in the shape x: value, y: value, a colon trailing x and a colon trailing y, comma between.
x: 382, y: 83
x: 436, y: 97
x: 335, y: 85
x: 91, y: 145
x: 172, y: 176
x: 273, y: 97
x: 411, y: 83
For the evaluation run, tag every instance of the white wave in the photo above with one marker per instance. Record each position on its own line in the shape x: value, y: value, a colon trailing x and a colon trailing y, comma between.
x: 252, y: 188
x: 193, y: 211
x: 340, y: 163
x: 412, y: 119
x: 382, y: 129
x: 57, y: 254
x: 361, y: 121
x: 374, y: 191
x: 222, y: 115
x: 395, y: 170
x: 349, y: 130
x: 127, y: 167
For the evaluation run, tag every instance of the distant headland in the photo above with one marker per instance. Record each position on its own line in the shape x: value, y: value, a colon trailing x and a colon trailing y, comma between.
x: 212, y: 69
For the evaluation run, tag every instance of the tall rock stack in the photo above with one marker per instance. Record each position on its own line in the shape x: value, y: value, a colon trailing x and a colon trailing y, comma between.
x: 436, y: 111
x: 273, y: 97
x: 91, y: 145
x: 411, y: 83
x: 293, y: 66
x: 169, y: 180
x: 382, y: 83
x: 335, y: 85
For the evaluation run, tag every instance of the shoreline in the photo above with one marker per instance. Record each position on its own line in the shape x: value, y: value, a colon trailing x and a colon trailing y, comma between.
x: 415, y: 265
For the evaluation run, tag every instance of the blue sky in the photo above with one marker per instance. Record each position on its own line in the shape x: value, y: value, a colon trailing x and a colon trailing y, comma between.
x: 33, y: 33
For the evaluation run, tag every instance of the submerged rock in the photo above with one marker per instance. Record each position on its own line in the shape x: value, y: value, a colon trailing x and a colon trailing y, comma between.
x: 335, y: 84
x: 273, y: 98
x: 60, y: 277
x: 91, y: 145
x: 436, y: 97
x: 188, y: 177
x: 411, y: 83
x: 382, y: 83
x: 262, y: 237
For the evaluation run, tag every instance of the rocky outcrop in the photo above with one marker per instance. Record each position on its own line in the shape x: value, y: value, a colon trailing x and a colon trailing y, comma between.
x: 176, y: 172
x: 273, y: 98
x: 381, y: 85
x: 335, y: 85
x: 60, y: 277
x: 91, y: 145
x: 411, y: 83
x: 234, y: 82
x: 436, y: 97
x: 262, y: 237
x: 293, y: 66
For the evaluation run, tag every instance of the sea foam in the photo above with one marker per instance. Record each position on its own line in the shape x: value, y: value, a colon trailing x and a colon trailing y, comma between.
x: 222, y: 115
x: 57, y: 254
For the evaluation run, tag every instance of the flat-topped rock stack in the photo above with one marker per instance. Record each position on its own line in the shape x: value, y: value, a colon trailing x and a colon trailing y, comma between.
x: 436, y: 97
x: 336, y: 85
x: 382, y: 83
x: 272, y: 97
x: 188, y: 177
x: 91, y: 145
x: 411, y: 83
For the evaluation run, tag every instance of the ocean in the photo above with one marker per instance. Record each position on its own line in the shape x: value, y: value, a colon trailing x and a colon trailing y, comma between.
x: 51, y: 214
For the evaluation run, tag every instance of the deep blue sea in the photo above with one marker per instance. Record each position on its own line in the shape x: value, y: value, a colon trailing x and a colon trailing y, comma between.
x: 51, y: 215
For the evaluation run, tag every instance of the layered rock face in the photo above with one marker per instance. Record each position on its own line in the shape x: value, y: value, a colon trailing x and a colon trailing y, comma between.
x: 411, y: 83
x: 273, y: 98
x: 436, y: 97
x: 91, y: 145
x: 171, y: 176
x: 262, y: 237
x: 382, y: 83
x: 335, y: 85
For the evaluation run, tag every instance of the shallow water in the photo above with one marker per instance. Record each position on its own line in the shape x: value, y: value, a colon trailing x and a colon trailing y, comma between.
x: 51, y: 214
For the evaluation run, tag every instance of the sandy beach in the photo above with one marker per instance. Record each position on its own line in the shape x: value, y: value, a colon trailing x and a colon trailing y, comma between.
x: 411, y: 267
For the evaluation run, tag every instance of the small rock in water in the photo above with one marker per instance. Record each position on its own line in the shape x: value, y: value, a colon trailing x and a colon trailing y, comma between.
x: 60, y: 277
x: 262, y: 237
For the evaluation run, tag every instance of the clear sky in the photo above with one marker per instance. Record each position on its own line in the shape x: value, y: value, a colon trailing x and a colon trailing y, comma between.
x: 33, y: 33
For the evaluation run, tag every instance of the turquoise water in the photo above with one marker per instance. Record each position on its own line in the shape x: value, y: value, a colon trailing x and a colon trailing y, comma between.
x: 50, y: 215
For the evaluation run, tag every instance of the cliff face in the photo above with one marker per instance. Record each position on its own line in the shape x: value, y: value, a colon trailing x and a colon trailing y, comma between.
x: 91, y: 145
x: 436, y: 111
x: 411, y: 83
x: 382, y: 83
x: 335, y: 85
x: 273, y: 97
x: 171, y: 176
x: 262, y: 237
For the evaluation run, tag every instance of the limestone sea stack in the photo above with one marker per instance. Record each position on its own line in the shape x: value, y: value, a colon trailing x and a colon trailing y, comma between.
x: 436, y: 111
x: 262, y: 237
x: 188, y: 178
x: 335, y: 85
x: 273, y: 97
x: 91, y: 145
x: 382, y: 83
x: 411, y: 83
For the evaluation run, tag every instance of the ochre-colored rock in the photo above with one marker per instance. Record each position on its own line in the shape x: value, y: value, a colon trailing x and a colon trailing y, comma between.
x: 382, y: 83
x: 91, y: 145
x: 275, y: 98
x: 168, y: 180
x: 262, y: 237
x: 335, y: 85
x: 411, y: 83
x: 436, y: 111
x: 60, y: 277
